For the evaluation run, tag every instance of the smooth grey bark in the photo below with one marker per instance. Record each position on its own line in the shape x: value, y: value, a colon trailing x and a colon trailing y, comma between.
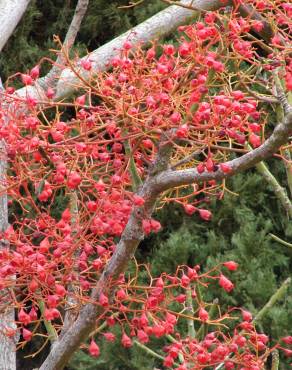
x: 11, y: 11
x: 170, y: 179
x: 155, y: 27
x: 71, y: 35
x: 7, y: 316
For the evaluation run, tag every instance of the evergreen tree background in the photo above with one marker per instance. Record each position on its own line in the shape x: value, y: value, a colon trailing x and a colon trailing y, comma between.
x: 241, y: 224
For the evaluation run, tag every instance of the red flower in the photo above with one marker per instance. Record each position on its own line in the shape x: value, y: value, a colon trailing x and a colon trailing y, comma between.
x: 23, y: 317
x: 35, y: 72
x: 142, y: 336
x: 110, y: 337
x: 255, y: 140
x: 231, y: 265
x: 203, y: 314
x: 126, y: 341
x: 225, y: 283
x: 246, y: 315
x: 189, y: 209
x: 225, y: 167
x: 209, y: 165
x: 103, y: 300
x: 287, y: 340
x: 74, y: 180
x: 94, y: 349
x: 27, y: 334
x: 205, y: 214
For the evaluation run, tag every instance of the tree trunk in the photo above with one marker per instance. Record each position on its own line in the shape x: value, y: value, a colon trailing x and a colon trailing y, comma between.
x: 7, y: 344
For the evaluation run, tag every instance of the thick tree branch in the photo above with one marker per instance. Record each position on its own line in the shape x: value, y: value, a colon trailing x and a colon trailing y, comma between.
x: 131, y: 237
x: 74, y: 27
x: 157, y: 26
x: 170, y: 179
x: 11, y: 12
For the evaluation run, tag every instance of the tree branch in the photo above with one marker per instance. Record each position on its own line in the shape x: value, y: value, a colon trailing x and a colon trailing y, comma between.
x: 11, y: 12
x: 7, y: 315
x: 279, y: 294
x: 279, y: 240
x: 155, y: 27
x: 71, y: 35
x: 279, y: 191
x: 170, y: 179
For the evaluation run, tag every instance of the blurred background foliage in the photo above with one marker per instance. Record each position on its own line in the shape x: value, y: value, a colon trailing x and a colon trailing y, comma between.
x: 241, y: 223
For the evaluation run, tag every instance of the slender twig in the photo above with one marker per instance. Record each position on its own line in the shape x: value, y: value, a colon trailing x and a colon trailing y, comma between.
x: 70, y: 37
x: 190, y: 310
x: 186, y: 159
x: 186, y: 6
x: 281, y: 94
x: 275, y: 360
x: 71, y: 302
x: 202, y: 328
x: 150, y: 351
x: 52, y: 333
x: 281, y: 241
x: 278, y: 295
x: 279, y: 191
x: 131, y: 5
x: 264, y: 98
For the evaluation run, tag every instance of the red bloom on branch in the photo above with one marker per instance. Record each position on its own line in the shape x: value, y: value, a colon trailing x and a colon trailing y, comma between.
x: 231, y: 265
x: 74, y: 180
x: 94, y: 349
x: 203, y: 314
x: 225, y: 283
x: 189, y: 209
x: 126, y: 341
x: 205, y: 214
